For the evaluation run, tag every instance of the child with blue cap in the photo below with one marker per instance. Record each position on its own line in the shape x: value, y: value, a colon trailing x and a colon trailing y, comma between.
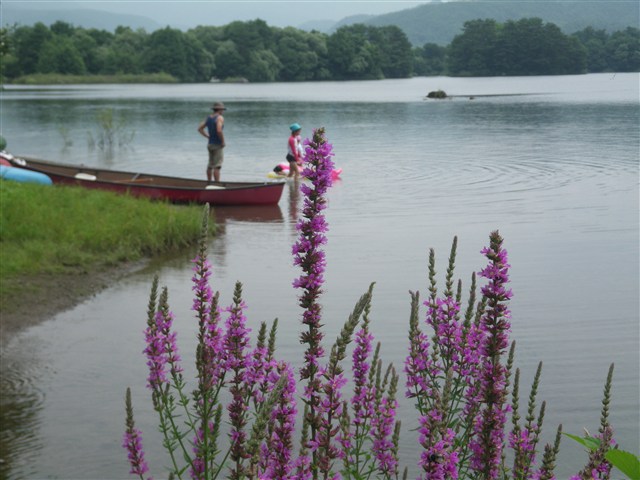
x: 294, y: 150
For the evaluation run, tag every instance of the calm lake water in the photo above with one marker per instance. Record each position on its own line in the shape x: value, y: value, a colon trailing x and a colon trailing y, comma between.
x: 552, y: 162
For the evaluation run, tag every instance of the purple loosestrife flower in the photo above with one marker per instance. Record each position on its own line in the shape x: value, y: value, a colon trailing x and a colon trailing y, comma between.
x: 330, y: 408
x: 308, y: 255
x: 487, y: 443
x: 443, y: 461
x: 523, y: 443
x: 419, y: 367
x: 210, y: 348
x: 198, y: 470
x: 448, y: 332
x: 156, y: 357
x: 362, y: 400
x: 161, y: 350
x: 302, y: 466
x: 236, y: 341
x: 203, y: 292
x: 598, y: 468
x: 210, y: 362
x: 132, y: 442
x: 279, y: 445
x: 382, y: 425
x: 307, y: 251
x: 257, y: 376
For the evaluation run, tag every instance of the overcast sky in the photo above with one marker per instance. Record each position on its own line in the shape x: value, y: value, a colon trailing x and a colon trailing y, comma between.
x: 190, y: 13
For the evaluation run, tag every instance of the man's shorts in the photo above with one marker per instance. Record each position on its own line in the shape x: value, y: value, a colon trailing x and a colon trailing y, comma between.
x: 216, y: 157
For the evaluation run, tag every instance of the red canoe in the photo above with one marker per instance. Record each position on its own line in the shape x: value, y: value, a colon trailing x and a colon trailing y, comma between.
x: 157, y: 187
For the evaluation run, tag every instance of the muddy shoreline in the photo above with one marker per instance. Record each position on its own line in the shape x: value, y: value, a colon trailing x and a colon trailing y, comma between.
x: 41, y: 297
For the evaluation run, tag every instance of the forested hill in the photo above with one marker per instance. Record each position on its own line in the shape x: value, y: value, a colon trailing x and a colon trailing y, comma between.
x: 82, y: 17
x: 439, y: 23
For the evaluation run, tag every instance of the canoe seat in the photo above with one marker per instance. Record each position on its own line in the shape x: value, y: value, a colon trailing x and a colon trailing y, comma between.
x: 214, y: 187
x: 86, y: 176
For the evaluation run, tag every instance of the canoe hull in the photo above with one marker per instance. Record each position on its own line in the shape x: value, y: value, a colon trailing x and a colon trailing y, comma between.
x: 267, y: 194
x: 157, y: 187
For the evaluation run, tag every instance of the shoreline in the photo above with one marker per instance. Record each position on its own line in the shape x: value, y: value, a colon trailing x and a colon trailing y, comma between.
x: 44, y: 296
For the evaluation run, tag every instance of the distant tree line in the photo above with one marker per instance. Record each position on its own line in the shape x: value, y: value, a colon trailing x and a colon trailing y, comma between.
x: 259, y: 53
x: 530, y: 47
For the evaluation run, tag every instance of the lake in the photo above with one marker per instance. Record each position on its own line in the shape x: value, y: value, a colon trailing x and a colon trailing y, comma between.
x: 551, y: 162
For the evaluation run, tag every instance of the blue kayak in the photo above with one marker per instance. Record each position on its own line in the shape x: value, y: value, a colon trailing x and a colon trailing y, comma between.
x: 22, y: 175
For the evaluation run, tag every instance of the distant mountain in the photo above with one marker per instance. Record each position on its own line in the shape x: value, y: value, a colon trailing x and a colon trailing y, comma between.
x: 78, y: 17
x: 319, y: 25
x: 435, y: 22
x: 440, y: 22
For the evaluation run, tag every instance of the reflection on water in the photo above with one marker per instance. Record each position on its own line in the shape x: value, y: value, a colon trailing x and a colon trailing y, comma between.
x: 21, y: 402
x: 555, y: 172
x: 248, y: 213
x: 294, y: 201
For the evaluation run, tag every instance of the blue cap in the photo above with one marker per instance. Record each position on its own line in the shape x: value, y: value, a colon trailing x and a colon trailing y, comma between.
x: 294, y: 127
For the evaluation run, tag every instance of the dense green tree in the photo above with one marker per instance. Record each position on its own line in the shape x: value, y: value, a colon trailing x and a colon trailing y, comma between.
x: 28, y: 43
x: 302, y: 55
x: 124, y: 54
x: 228, y: 61
x: 264, y: 66
x: 62, y: 28
x: 396, y: 57
x: 250, y: 36
x: 429, y: 60
x: 623, y: 50
x: 595, y: 42
x: 8, y: 60
x: 318, y: 43
x: 101, y: 37
x: 473, y: 52
x: 352, y: 55
x: 165, y: 52
x: 171, y: 51
x: 59, y: 55
x: 5, y: 42
x: 571, y: 57
x: 524, y: 47
x: 262, y: 54
x: 209, y: 37
x: 531, y: 47
x: 87, y: 47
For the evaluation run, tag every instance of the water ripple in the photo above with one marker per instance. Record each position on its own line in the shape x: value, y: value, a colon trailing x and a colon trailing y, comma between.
x: 20, y: 406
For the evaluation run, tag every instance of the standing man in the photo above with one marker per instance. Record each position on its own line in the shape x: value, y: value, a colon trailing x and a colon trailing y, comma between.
x: 214, y: 124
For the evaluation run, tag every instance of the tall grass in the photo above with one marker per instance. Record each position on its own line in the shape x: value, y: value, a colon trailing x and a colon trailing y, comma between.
x: 60, y: 79
x: 60, y: 229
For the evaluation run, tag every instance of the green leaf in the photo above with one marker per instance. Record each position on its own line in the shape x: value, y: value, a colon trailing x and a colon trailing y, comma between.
x: 626, y: 462
x: 587, y: 442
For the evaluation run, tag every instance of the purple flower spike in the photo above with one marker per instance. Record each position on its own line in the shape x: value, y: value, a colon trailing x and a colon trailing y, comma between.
x: 161, y: 350
x: 203, y: 292
x: 488, y: 441
x: 236, y: 342
x: 132, y: 442
x: 363, y: 397
x: 382, y: 429
x: 308, y: 254
x: 283, y: 418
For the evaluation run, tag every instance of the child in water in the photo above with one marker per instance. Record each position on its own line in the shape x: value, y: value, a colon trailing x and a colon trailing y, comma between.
x: 294, y: 150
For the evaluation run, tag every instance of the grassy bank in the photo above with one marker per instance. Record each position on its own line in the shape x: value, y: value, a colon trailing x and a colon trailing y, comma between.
x: 59, y: 79
x: 64, y: 230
